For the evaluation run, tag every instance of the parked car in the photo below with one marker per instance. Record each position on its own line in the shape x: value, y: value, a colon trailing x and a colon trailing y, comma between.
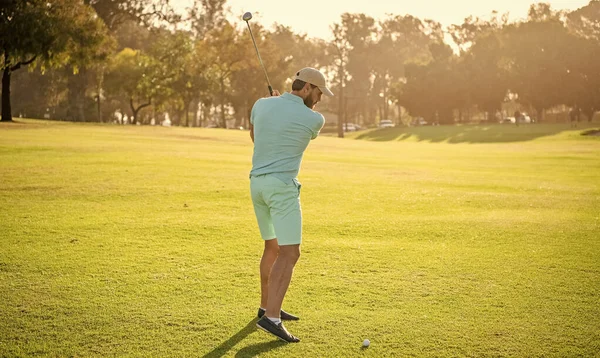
x: 351, y: 127
x: 419, y: 121
x: 511, y: 120
x: 386, y: 123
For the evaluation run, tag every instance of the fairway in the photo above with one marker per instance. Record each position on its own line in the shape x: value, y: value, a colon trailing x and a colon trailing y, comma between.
x: 438, y: 241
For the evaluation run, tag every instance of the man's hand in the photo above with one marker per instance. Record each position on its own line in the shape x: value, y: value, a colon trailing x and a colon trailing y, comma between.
x: 275, y: 94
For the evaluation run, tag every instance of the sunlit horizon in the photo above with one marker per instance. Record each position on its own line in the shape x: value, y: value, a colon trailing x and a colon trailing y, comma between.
x: 314, y: 18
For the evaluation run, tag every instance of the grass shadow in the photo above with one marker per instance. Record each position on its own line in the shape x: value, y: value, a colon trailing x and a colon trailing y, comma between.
x: 226, y: 346
x: 256, y: 349
x: 488, y: 133
x: 592, y: 132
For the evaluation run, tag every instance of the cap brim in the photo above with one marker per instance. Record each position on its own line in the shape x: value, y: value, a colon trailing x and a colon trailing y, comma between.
x: 326, y: 91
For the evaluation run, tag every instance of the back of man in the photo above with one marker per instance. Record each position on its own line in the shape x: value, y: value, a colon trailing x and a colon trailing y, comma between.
x: 283, y: 128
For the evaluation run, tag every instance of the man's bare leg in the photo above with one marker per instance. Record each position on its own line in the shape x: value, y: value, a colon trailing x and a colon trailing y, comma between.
x: 279, y: 280
x: 266, y: 263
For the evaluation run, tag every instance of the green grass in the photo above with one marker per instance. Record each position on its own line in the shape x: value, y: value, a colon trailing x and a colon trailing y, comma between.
x: 141, y: 241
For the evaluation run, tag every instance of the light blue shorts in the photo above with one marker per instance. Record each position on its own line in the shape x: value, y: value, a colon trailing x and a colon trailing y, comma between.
x: 277, y: 208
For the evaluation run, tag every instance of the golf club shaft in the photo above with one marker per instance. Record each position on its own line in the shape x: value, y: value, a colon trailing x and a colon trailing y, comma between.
x: 260, y: 59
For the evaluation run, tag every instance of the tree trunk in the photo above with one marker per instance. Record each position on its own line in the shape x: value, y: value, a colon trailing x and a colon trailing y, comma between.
x: 540, y: 114
x: 195, y: 106
x: 134, y: 116
x: 99, y: 82
x: 345, y: 113
x: 222, y: 88
x: 341, y: 102
x: 135, y: 111
x: 341, y: 113
x: 248, y: 114
x: 385, y: 102
x: 399, y: 122
x: 99, y: 109
x: 589, y: 113
x: 6, y: 110
x: 187, y: 112
x: 223, y: 122
x: 201, y: 114
x: 8, y: 69
x: 206, y: 115
x: 77, y: 84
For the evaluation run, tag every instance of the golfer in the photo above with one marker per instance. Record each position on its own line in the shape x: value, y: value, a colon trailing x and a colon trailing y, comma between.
x: 281, y: 128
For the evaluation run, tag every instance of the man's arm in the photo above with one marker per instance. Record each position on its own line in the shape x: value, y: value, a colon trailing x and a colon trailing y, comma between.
x: 319, y: 123
x: 275, y: 93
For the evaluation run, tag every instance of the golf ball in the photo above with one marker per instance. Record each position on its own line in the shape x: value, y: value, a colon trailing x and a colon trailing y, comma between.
x: 366, y: 343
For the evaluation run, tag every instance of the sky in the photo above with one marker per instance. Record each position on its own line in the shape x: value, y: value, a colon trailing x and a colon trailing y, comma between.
x: 314, y: 17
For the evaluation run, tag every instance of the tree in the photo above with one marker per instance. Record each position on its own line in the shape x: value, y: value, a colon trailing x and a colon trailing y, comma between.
x: 339, y: 49
x: 134, y: 35
x: 206, y: 15
x: 172, y: 52
x: 402, y: 40
x: 119, y: 16
x: 484, y: 78
x: 49, y: 33
x: 115, y: 13
x: 466, y: 34
x: 353, y: 38
x: 431, y: 90
x: 299, y: 51
x: 584, y: 67
x: 227, y: 56
x: 35, y: 94
x: 585, y: 21
x: 582, y: 85
x: 248, y: 81
x: 131, y: 80
x: 361, y: 31
x: 536, y: 58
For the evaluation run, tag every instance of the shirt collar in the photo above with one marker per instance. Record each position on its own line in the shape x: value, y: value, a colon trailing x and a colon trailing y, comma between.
x: 292, y: 97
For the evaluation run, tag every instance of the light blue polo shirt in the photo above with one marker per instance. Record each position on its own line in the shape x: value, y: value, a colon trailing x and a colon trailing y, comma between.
x: 283, y: 127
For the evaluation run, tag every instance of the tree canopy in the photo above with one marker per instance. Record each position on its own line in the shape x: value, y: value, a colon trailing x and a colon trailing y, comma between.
x: 140, y: 58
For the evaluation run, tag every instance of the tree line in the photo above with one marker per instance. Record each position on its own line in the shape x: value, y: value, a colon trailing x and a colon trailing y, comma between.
x: 87, y: 60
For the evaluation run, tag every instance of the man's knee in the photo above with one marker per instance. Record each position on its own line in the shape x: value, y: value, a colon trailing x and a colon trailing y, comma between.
x: 271, y: 246
x: 290, y: 252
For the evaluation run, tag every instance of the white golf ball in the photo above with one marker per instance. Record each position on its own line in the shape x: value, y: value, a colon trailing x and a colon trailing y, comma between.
x: 366, y: 343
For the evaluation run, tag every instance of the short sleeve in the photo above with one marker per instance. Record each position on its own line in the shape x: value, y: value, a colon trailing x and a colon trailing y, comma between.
x: 253, y: 112
x: 318, y: 125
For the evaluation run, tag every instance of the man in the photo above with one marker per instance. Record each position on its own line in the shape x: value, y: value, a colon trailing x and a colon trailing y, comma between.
x: 281, y: 128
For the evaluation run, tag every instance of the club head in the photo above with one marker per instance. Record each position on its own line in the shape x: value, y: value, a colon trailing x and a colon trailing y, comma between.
x: 247, y: 16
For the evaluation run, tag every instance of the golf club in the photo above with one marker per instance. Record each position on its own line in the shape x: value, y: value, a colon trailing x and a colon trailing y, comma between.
x: 247, y: 16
